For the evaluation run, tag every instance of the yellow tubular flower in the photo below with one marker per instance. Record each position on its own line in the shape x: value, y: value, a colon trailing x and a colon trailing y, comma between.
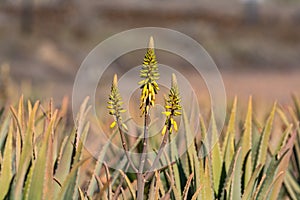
x: 172, y: 107
x: 149, y: 73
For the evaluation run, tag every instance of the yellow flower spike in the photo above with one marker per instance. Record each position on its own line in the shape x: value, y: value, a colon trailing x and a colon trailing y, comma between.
x: 115, y: 103
x: 149, y: 73
x: 172, y: 106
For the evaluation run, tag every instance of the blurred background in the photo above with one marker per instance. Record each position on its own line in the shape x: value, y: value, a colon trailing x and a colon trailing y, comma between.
x: 255, y: 43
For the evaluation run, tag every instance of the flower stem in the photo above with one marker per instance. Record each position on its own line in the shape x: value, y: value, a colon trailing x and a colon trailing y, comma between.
x: 124, y: 144
x: 156, y: 160
x: 140, y: 175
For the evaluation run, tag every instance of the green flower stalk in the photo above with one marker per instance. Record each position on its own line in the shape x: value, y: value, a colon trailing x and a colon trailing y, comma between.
x: 115, y: 104
x: 115, y: 109
x: 173, y: 107
x: 149, y: 73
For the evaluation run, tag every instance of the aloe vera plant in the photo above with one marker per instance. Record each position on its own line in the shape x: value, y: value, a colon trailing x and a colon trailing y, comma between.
x: 41, y: 157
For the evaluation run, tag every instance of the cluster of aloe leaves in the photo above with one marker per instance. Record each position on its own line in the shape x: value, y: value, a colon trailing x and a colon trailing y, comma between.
x: 42, y: 156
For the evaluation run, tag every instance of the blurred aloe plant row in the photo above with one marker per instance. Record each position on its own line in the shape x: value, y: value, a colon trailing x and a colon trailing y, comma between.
x: 43, y: 157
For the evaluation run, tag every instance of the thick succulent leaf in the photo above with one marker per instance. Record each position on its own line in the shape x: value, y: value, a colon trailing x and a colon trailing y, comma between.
x: 81, y: 194
x: 187, y: 187
x: 297, y: 105
x: 264, y: 141
x: 216, y: 156
x: 67, y: 189
x: 205, y: 178
x: 283, y: 139
x: 196, y: 194
x: 291, y: 185
x: 28, y: 182
x: 93, y: 184
x: 64, y: 164
x: 192, y: 152
x: 78, y: 156
x: 228, y: 144
x: 4, y: 131
x: 124, y: 161
x: 153, y: 187
x: 247, y: 143
x: 270, y: 175
x: 236, y: 184
x: 26, y: 153
x: 229, y: 181
x: 283, y: 166
x: 130, y: 186
x: 283, y: 116
x: 174, y: 156
x: 41, y: 184
x: 6, y: 172
x: 251, y: 184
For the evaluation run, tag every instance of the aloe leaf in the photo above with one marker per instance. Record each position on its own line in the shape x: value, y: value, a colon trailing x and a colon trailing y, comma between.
x: 208, y: 174
x: 191, y: 150
x: 297, y: 105
x: 160, y: 185
x: 28, y: 182
x: 292, y: 194
x: 275, y: 180
x: 6, y: 173
x: 130, y: 186
x: 171, y: 178
x: 270, y: 174
x: 251, y: 184
x: 26, y: 154
x: 68, y: 188
x: 64, y: 164
x: 228, y: 145
x: 174, y: 156
x: 192, y: 153
x: 41, y: 184
x: 264, y: 141
x: 152, y: 190
x: 283, y: 166
x: 283, y: 139
x: 291, y: 180
x: 93, y: 184
x: 75, y: 144
x: 3, y: 131
x: 216, y: 157
x: 81, y: 194
x: 124, y: 161
x: 282, y: 116
x: 187, y: 187
x: 229, y: 184
x: 156, y: 196
x: 196, y: 194
x: 247, y: 143
x: 78, y: 156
